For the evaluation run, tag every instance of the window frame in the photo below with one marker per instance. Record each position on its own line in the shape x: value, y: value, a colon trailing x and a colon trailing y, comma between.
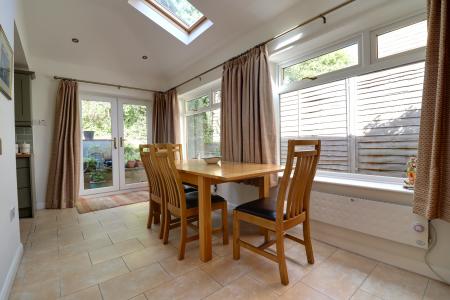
x: 355, y: 39
x: 174, y: 19
x: 392, y: 27
x: 367, y: 46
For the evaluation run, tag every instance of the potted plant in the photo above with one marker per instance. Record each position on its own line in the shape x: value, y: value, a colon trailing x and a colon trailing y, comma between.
x: 88, y: 135
x: 139, y: 163
x: 90, y: 165
x: 130, y: 156
x: 98, y: 176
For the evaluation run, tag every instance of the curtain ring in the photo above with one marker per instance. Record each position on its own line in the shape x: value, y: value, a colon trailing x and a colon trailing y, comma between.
x: 324, y: 19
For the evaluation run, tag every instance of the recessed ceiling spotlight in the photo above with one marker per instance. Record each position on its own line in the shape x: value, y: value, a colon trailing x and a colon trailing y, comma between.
x: 75, y: 40
x: 144, y: 57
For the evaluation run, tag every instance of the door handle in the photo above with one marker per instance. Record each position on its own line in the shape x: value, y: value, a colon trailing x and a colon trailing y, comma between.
x: 115, y: 143
x: 121, y: 142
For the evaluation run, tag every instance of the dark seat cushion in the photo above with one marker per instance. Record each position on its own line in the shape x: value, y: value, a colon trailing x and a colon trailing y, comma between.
x: 264, y: 208
x: 192, y: 199
x: 189, y: 189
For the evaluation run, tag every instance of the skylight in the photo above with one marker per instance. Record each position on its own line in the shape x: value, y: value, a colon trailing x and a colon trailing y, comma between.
x: 178, y: 17
x: 181, y: 11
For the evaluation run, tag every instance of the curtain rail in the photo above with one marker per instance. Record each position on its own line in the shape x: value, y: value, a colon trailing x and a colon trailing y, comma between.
x: 320, y: 16
x: 107, y: 84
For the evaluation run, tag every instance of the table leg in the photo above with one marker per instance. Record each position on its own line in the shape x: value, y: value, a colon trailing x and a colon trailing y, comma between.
x: 205, y: 226
x: 264, y: 192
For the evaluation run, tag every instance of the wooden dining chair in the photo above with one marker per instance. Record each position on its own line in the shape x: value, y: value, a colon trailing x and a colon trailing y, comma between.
x: 155, y: 200
x: 289, y: 209
x: 181, y: 205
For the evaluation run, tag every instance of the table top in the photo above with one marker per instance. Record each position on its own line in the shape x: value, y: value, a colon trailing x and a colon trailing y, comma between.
x: 227, y: 171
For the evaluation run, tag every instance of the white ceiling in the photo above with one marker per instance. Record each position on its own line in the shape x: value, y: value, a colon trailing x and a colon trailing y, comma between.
x: 114, y: 36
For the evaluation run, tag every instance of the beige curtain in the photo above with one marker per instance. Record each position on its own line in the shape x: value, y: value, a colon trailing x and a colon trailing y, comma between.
x: 432, y: 189
x: 247, y: 123
x: 166, y: 118
x: 64, y: 174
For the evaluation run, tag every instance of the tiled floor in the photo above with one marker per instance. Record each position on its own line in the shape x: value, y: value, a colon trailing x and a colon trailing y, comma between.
x: 111, y: 255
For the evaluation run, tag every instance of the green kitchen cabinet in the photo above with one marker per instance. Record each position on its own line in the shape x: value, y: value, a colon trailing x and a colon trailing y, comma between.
x: 22, y: 99
x: 24, y: 187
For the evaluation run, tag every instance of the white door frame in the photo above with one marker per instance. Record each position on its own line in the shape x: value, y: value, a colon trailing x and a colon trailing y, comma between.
x: 114, y: 150
x: 121, y: 102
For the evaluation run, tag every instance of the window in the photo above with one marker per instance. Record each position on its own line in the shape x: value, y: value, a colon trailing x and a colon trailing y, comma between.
x: 404, y: 39
x: 368, y: 124
x: 182, y: 12
x: 178, y: 17
x: 203, y: 125
x: 326, y: 63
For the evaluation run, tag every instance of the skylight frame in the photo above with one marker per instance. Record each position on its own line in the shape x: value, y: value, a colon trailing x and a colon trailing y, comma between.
x: 174, y: 19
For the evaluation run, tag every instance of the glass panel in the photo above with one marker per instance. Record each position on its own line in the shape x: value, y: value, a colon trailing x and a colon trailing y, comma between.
x: 203, y: 132
x: 97, y: 145
x: 217, y: 97
x: 404, y: 39
x: 182, y: 10
x: 134, y: 133
x: 196, y: 104
x: 333, y: 61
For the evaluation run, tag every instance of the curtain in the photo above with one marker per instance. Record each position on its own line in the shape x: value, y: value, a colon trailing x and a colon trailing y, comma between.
x: 166, y: 118
x: 248, y: 131
x: 64, y: 174
x: 432, y: 188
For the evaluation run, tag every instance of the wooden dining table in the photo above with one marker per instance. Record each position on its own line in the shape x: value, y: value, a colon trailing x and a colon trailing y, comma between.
x: 199, y: 173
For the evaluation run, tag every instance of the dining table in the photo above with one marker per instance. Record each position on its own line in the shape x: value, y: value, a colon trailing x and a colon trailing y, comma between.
x: 198, y: 173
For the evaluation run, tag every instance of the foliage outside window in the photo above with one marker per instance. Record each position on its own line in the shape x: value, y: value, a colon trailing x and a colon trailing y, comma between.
x: 182, y: 10
x: 329, y: 62
x: 96, y: 116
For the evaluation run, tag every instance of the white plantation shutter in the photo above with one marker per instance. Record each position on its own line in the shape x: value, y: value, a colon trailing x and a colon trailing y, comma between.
x: 319, y: 111
x: 388, y: 118
x: 368, y: 124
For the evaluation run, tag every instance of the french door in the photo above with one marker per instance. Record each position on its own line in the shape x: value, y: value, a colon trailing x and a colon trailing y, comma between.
x: 112, y: 130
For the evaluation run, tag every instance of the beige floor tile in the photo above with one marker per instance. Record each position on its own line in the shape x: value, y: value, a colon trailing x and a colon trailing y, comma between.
x: 303, y: 292
x: 134, y: 283
x: 244, y: 288
x: 70, y: 237
x: 193, y: 285
x: 437, y: 291
x: 362, y: 295
x: 92, y: 293
x: 392, y: 283
x: 177, y: 267
x: 149, y: 256
x: 73, y: 281
x: 85, y: 246
x: 340, y: 275
x: 123, y: 234
x: 115, y: 250
x: 224, y: 269
x: 42, y: 290
x: 140, y: 297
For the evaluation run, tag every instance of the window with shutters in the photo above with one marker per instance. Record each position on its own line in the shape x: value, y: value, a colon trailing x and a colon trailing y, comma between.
x: 367, y: 116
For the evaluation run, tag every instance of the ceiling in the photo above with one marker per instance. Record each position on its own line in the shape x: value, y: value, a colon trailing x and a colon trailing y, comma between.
x: 114, y: 36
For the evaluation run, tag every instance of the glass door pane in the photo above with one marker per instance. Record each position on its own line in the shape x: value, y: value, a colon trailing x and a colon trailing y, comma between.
x: 98, y: 146
x: 135, y: 119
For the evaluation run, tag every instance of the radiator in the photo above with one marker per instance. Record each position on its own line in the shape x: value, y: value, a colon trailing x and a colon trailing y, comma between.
x: 385, y: 220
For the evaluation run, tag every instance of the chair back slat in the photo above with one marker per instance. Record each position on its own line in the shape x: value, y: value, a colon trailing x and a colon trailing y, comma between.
x: 295, y: 186
x: 149, y: 167
x: 171, y: 184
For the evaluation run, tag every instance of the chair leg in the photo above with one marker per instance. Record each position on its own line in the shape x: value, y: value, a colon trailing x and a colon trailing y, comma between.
x: 307, y: 239
x: 157, y: 214
x: 167, y: 218
x: 183, y: 239
x: 281, y: 258
x: 265, y: 233
x: 225, y: 224
x: 150, y: 214
x: 236, y: 233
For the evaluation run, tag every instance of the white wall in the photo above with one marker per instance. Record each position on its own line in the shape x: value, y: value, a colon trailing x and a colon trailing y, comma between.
x: 10, y: 246
x: 44, y: 89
